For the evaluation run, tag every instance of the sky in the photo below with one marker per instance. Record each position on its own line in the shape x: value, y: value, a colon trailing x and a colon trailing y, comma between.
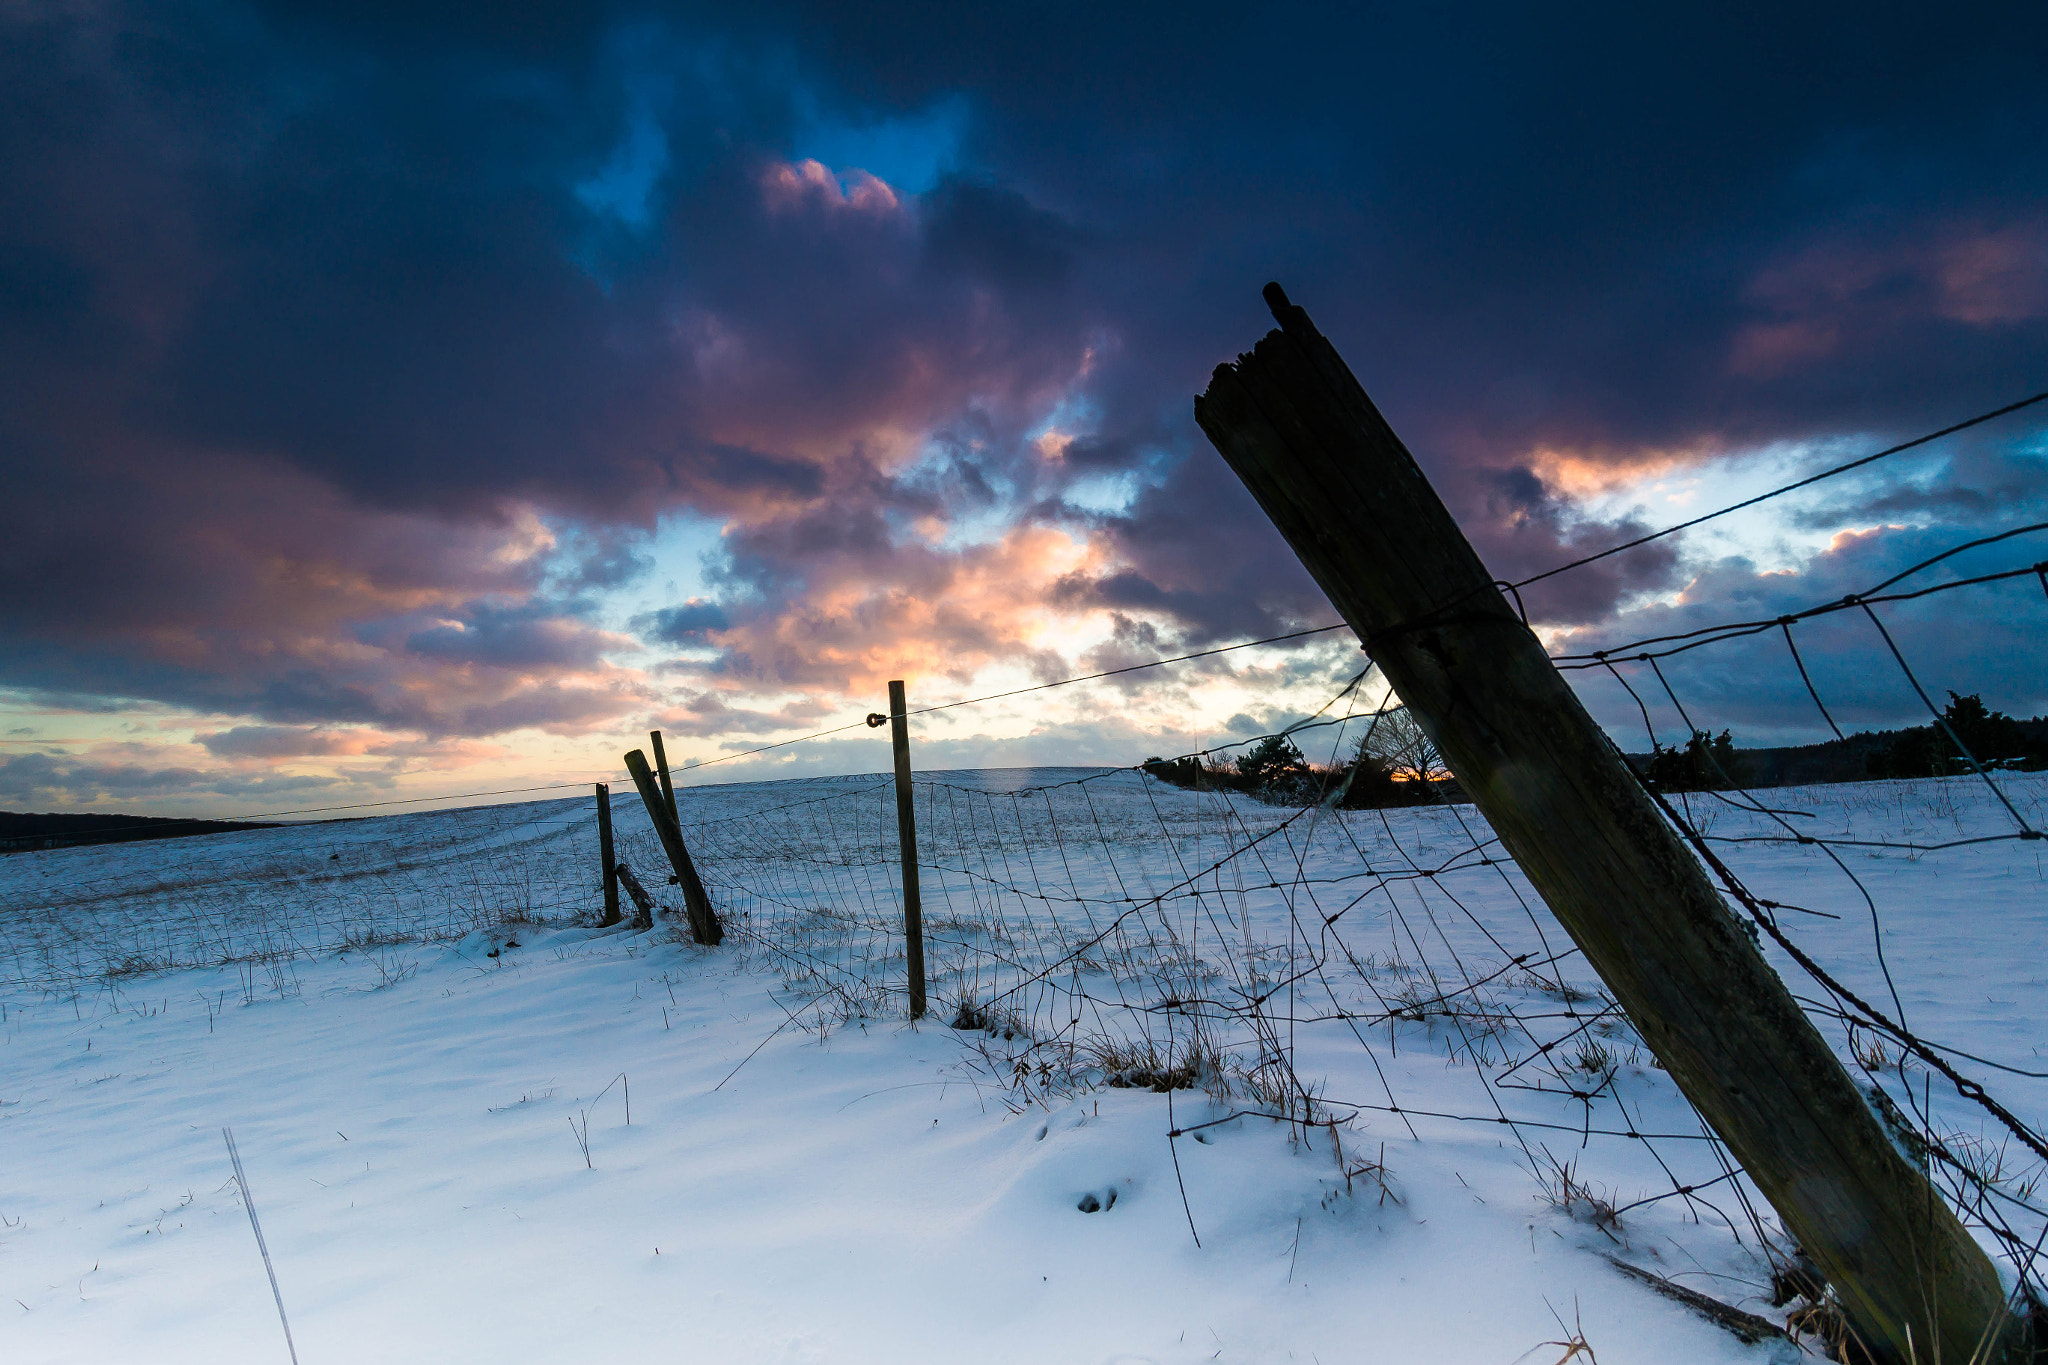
x: 395, y: 404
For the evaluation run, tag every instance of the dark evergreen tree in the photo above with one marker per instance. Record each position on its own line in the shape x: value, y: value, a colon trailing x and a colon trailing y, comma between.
x: 1706, y: 763
x: 1993, y: 738
x: 1273, y: 761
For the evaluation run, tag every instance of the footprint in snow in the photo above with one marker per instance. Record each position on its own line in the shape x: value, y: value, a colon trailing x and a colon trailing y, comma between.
x: 1090, y: 1203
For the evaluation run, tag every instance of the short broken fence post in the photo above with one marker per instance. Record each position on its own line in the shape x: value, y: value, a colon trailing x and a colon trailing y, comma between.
x: 1295, y: 425
x: 704, y: 925
x: 906, y: 837
x: 605, y: 857
x: 643, y: 904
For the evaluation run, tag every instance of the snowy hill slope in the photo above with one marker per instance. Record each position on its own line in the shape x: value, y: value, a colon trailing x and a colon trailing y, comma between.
x: 798, y: 1182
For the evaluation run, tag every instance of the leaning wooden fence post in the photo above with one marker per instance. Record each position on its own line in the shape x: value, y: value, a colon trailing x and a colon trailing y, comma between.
x: 1301, y: 433
x: 606, y: 856
x: 906, y: 838
x: 704, y: 925
x: 668, y: 789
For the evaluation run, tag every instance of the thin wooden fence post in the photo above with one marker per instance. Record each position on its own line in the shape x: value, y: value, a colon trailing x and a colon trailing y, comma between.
x: 606, y: 856
x: 906, y: 838
x: 704, y: 925
x: 668, y: 789
x: 1301, y: 433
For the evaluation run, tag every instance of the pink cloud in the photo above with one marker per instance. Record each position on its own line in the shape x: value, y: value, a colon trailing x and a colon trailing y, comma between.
x: 248, y: 587
x: 787, y: 186
x: 1850, y: 288
x: 1996, y: 277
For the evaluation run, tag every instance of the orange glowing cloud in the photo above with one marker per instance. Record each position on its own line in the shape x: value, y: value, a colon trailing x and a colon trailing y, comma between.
x: 1598, y: 471
x: 940, y: 613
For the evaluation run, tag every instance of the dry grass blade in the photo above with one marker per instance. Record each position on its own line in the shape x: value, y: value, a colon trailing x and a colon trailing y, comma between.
x: 249, y: 1203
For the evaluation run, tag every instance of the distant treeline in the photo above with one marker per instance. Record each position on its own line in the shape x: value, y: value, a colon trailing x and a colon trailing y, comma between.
x: 1996, y: 740
x: 21, y: 830
x: 1396, y: 765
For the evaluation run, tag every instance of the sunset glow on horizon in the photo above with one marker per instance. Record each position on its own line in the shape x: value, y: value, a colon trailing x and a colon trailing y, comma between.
x: 397, y: 411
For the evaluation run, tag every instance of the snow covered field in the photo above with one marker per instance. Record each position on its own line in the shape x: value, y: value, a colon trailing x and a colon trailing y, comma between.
x: 806, y: 1177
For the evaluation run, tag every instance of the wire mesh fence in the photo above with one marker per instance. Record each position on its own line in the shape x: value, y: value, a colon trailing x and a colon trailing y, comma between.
x: 1825, y: 875
x: 1112, y: 928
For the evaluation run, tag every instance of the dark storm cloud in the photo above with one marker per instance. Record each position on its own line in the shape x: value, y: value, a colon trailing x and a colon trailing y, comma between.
x: 275, y: 741
x: 597, y: 558
x: 40, y: 781
x: 688, y: 623
x: 307, y: 311
x: 527, y: 637
x: 1527, y: 232
x: 295, y: 327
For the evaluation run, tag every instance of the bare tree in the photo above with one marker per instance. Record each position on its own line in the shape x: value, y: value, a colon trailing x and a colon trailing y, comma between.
x: 1395, y: 742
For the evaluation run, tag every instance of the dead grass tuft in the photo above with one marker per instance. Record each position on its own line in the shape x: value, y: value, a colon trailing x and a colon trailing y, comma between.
x: 1138, y: 1064
x: 1000, y: 1020
x: 1562, y: 1189
x: 1574, y: 1340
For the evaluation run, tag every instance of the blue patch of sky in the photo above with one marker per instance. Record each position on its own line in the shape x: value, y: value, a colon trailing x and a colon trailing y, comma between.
x: 1105, y: 492
x: 623, y: 190
x: 682, y: 546
x: 681, y: 102
x: 623, y: 197
x: 911, y: 152
x: 977, y: 526
x: 1771, y: 535
x: 1108, y: 494
x: 1784, y: 534
x: 978, y: 518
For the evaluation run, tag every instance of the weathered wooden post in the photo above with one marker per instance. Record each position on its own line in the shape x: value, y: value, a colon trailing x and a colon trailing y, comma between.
x: 906, y: 838
x: 704, y: 925
x: 668, y: 789
x: 643, y: 904
x: 606, y: 856
x: 1301, y: 433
